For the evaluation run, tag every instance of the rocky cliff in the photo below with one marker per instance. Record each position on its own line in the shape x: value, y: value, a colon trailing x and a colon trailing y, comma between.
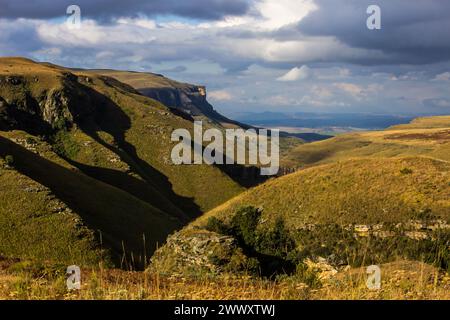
x: 189, y: 99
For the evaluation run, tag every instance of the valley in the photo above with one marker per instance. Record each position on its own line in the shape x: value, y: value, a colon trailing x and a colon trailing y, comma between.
x: 86, y: 178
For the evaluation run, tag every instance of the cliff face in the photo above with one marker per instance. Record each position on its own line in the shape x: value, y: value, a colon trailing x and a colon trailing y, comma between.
x: 181, y: 97
x: 27, y: 103
x: 190, y: 99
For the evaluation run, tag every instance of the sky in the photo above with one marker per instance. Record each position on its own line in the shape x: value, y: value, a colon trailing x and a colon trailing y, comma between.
x: 254, y: 55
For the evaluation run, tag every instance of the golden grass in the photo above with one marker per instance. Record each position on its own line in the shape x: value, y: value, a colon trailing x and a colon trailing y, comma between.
x: 140, y: 80
x: 400, y: 280
x: 362, y: 191
x: 432, y: 142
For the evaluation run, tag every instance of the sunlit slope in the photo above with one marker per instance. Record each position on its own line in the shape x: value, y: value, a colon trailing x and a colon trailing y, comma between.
x: 364, y: 191
x: 423, y: 137
x: 425, y: 123
x: 103, y: 150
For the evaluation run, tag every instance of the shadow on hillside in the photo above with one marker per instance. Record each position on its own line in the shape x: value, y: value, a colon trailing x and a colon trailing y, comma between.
x: 121, y: 218
x: 245, y: 175
x: 134, y: 186
x: 110, y: 118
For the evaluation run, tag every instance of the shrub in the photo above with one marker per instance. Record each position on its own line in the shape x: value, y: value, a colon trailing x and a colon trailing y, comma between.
x: 406, y: 171
x: 64, y: 145
x: 276, y: 242
x: 9, y: 160
x: 215, y: 225
x: 244, y: 225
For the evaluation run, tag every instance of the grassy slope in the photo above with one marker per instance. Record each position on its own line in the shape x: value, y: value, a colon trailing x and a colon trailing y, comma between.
x: 356, y: 178
x: 424, y: 136
x: 149, y: 132
x: 114, y: 171
x: 118, y: 215
x: 142, y: 81
x: 36, y: 225
x: 365, y: 191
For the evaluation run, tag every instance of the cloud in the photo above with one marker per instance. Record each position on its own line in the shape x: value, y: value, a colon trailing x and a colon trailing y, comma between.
x: 437, y: 103
x: 220, y: 95
x: 442, y: 77
x: 174, y: 69
x: 412, y: 31
x: 107, y: 9
x: 296, y: 74
x: 350, y: 88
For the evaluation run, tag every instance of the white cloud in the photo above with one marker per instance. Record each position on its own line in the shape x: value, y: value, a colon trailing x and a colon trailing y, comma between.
x: 350, y: 88
x: 443, y: 77
x: 296, y: 74
x: 278, y: 13
x: 220, y: 95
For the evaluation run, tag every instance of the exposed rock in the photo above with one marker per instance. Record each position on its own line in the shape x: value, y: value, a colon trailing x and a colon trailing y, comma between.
x: 416, y: 235
x: 14, y: 80
x: 323, y: 268
x: 198, y: 250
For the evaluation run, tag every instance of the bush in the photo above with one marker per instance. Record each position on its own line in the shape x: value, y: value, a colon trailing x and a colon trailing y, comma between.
x: 64, y: 145
x: 276, y: 242
x: 269, y: 251
x: 406, y: 171
x: 244, y: 225
x: 215, y: 225
x: 9, y: 160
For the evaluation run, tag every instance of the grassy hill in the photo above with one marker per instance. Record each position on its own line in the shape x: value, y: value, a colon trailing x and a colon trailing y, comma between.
x: 359, y: 198
x: 364, y: 191
x: 364, y: 177
x: 103, y: 150
x: 423, y: 137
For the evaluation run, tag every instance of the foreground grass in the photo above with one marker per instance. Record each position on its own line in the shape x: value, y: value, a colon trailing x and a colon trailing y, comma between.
x: 400, y: 280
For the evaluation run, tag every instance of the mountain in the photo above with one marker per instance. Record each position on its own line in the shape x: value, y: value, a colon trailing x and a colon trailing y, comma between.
x: 322, y: 121
x: 187, y: 98
x: 356, y: 199
x: 102, y: 150
x: 189, y: 101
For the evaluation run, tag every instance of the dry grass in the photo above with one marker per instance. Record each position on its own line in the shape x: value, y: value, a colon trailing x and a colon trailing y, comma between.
x: 400, y: 280
x: 363, y: 191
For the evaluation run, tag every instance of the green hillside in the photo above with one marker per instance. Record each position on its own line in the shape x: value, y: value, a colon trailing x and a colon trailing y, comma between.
x: 103, y: 150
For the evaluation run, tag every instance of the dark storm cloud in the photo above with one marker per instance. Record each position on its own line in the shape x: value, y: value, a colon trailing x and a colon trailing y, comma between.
x: 106, y: 9
x: 414, y: 32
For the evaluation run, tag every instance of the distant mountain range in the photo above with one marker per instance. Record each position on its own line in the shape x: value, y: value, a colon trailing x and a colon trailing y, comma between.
x: 322, y: 120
